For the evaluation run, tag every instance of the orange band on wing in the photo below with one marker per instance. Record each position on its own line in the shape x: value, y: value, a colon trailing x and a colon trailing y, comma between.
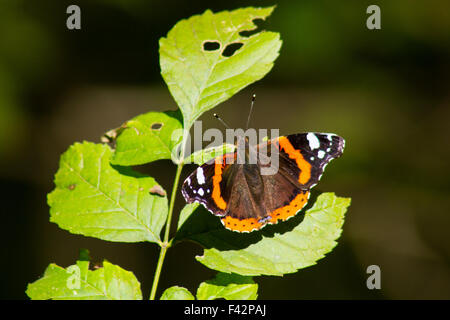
x: 291, y: 209
x: 303, y: 165
x: 245, y: 225
x: 217, y: 178
x: 283, y: 213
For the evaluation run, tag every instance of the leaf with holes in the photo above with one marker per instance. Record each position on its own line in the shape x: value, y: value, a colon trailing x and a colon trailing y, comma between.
x: 274, y: 250
x: 94, y: 199
x: 77, y: 282
x: 200, y: 63
x: 177, y: 293
x: 229, y: 287
x: 148, y: 137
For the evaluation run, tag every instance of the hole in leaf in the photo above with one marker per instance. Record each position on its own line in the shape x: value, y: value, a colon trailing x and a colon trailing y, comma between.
x: 249, y: 33
x: 211, y: 45
x: 231, y: 49
x: 156, y: 126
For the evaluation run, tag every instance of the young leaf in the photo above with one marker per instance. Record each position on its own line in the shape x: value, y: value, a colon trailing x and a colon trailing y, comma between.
x: 94, y: 199
x: 274, y: 250
x: 186, y: 212
x: 201, y: 156
x: 199, y: 65
x: 148, y: 137
x: 77, y: 282
x: 229, y: 287
x: 177, y: 293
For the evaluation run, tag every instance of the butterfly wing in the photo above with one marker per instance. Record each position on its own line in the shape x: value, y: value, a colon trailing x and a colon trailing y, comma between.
x: 203, y: 185
x: 302, y: 159
x: 307, y: 155
x: 230, y: 190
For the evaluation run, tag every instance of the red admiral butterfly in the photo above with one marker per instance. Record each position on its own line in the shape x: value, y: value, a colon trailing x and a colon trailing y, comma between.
x: 245, y: 199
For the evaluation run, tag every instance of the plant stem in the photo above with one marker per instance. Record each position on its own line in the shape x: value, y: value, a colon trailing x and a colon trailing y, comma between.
x: 172, y: 201
x: 162, y: 254
x: 166, y: 244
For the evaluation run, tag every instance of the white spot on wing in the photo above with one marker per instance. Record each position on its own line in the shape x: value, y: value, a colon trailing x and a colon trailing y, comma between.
x: 200, y: 176
x: 321, y: 154
x: 201, y: 192
x: 314, y: 142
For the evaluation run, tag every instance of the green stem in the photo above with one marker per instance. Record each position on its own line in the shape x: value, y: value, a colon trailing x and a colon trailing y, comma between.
x: 162, y: 254
x: 166, y: 244
x: 172, y: 201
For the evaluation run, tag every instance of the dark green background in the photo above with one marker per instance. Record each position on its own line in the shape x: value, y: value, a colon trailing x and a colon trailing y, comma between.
x: 385, y: 91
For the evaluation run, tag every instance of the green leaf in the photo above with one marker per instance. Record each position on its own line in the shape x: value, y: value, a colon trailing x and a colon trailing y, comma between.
x: 229, y: 287
x: 274, y: 250
x: 186, y: 212
x: 148, y: 137
x: 177, y: 293
x: 199, y: 79
x: 94, y: 199
x: 201, y: 156
x: 77, y: 282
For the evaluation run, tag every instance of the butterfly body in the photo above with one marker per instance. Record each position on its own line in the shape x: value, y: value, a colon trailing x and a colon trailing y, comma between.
x: 246, y: 198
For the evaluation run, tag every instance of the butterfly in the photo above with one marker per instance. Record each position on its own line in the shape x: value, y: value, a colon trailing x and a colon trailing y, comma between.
x: 246, y: 200
x: 237, y: 188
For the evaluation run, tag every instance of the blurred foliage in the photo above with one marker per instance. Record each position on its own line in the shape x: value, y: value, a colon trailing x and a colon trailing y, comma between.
x: 386, y: 91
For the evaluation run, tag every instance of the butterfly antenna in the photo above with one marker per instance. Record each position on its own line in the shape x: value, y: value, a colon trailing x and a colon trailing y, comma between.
x: 251, y: 109
x: 220, y: 119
